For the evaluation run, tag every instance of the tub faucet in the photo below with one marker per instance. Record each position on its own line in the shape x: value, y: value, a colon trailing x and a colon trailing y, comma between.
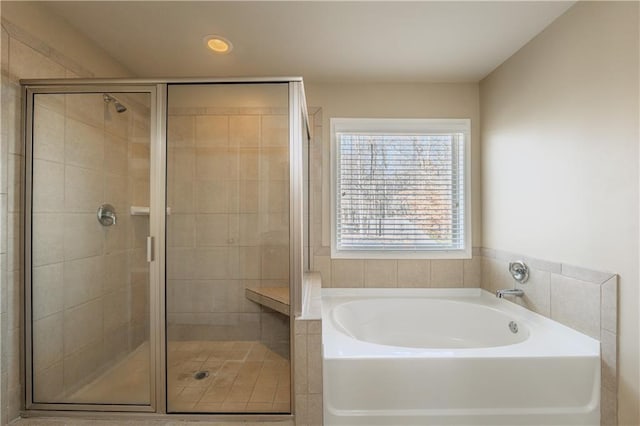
x: 509, y: 292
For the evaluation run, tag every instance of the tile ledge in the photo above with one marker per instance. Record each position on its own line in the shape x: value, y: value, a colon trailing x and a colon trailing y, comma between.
x: 564, y: 269
x: 586, y: 274
x: 311, y: 297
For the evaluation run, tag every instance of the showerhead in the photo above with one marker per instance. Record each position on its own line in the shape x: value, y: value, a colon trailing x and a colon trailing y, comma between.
x: 119, y: 107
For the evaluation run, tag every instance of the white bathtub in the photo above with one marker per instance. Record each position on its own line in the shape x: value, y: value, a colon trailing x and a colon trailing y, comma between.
x: 450, y: 357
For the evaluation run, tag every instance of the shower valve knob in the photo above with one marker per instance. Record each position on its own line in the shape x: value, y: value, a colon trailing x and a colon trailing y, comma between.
x: 107, y: 215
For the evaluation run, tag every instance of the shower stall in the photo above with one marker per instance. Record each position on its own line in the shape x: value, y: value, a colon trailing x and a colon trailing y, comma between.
x: 164, y: 244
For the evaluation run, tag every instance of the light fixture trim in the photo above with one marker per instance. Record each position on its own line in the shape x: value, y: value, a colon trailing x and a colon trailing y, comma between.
x: 218, y: 44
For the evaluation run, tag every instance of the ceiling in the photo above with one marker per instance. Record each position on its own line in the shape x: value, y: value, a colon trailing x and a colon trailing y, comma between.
x: 321, y: 41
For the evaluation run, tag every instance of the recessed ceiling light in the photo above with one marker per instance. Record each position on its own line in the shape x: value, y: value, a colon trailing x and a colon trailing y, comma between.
x: 218, y: 44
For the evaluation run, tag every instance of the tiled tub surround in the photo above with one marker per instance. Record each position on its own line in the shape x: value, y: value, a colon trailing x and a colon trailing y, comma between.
x: 308, y: 372
x: 370, y: 273
x: 580, y: 298
x: 89, y: 282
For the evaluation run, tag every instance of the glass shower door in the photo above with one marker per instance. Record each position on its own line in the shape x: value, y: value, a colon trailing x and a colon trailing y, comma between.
x: 88, y: 226
x: 228, y: 248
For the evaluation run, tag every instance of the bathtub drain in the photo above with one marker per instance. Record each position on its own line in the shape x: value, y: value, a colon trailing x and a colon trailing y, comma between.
x: 513, y: 327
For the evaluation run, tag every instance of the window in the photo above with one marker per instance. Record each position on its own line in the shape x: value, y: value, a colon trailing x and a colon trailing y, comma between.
x: 400, y: 188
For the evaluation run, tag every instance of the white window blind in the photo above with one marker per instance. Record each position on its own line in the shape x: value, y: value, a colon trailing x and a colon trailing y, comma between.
x: 400, y: 192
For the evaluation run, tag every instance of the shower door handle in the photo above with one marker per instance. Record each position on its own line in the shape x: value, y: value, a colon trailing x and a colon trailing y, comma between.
x: 149, y: 249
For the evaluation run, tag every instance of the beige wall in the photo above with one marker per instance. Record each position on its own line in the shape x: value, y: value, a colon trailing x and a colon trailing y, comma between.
x: 580, y: 298
x: 560, y: 157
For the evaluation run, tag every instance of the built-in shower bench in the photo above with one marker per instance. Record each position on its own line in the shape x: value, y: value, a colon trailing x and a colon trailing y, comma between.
x: 276, y: 298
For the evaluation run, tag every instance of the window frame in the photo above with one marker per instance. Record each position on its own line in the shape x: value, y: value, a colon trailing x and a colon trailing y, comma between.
x: 402, y: 125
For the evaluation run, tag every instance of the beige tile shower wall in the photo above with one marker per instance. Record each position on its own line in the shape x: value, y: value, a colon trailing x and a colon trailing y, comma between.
x: 9, y: 247
x: 26, y: 55
x: 19, y: 60
x: 85, y: 154
x: 229, y: 226
x: 582, y: 299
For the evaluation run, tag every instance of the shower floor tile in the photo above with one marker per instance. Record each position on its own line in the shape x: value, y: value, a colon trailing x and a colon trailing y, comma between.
x: 127, y: 382
x: 242, y: 377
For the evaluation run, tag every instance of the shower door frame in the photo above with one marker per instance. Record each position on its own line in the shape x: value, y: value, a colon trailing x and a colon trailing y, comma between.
x: 157, y: 89
x: 156, y: 223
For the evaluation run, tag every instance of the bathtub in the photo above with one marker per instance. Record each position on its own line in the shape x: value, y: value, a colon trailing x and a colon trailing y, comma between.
x: 452, y: 357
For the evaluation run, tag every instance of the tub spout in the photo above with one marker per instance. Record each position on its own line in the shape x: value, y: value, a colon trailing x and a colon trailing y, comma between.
x: 509, y: 292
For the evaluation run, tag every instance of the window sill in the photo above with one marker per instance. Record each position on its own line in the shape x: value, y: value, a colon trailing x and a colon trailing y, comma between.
x: 398, y: 254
